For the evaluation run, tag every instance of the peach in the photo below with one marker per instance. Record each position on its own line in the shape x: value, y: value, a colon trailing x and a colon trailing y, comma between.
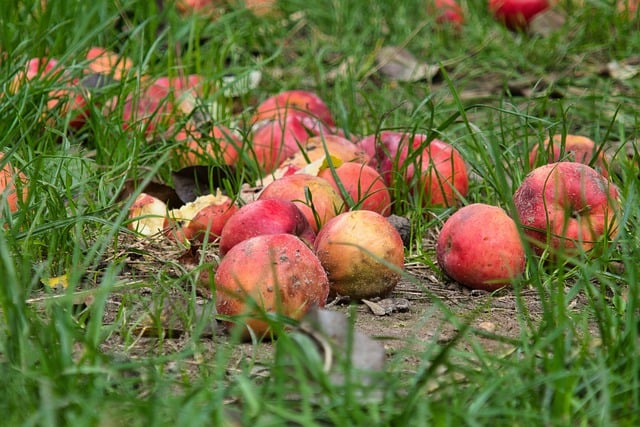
x: 314, y: 196
x: 517, y: 14
x: 220, y: 145
x: 275, y: 140
x: 447, y: 12
x: 267, y: 216
x: 203, y: 218
x: 147, y: 215
x: 318, y: 147
x: 270, y: 273
x: 291, y: 101
x: 479, y: 246
x: 104, y: 61
x: 12, y: 185
x: 574, y: 148
x: 433, y: 167
x: 362, y: 254
x: 566, y: 207
x: 363, y: 185
x: 36, y: 68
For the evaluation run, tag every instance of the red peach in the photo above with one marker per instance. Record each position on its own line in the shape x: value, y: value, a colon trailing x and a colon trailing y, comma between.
x: 9, y: 191
x: 275, y: 140
x: 566, y: 207
x: 291, y: 101
x: 267, y: 216
x: 270, y: 273
x: 194, y: 149
x: 574, y: 148
x: 517, y: 14
x: 435, y: 167
x: 480, y: 247
x: 363, y: 184
x: 313, y: 195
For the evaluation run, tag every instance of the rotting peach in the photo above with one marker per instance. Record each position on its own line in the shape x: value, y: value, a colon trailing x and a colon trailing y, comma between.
x: 291, y: 102
x: 362, y: 253
x: 270, y: 273
x: 201, y: 219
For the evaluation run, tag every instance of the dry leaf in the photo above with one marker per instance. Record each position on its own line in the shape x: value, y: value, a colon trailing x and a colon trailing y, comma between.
x: 387, y: 306
x: 622, y: 70
x: 399, y: 64
x: 330, y: 330
x: 545, y: 23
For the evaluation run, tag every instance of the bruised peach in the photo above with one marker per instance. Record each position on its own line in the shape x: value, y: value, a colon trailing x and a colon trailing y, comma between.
x: 573, y: 148
x: 270, y: 273
x: 12, y: 185
x: 480, y: 247
x: 362, y: 254
x: 363, y: 184
x: 267, y: 216
x: 567, y: 207
x: 314, y: 196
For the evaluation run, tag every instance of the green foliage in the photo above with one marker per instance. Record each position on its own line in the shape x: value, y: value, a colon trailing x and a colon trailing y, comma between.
x: 58, y: 363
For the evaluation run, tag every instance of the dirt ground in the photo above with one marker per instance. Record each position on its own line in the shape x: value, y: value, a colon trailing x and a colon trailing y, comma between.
x: 424, y: 307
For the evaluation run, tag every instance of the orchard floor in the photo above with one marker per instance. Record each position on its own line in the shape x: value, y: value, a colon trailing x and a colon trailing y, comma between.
x: 147, y: 316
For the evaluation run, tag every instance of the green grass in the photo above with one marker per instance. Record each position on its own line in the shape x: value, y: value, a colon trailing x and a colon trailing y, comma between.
x: 61, y: 364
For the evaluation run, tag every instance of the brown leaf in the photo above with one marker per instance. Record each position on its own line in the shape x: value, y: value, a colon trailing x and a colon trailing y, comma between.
x: 399, y: 64
x: 622, y: 70
x: 159, y: 190
x: 194, y: 181
x: 545, y: 23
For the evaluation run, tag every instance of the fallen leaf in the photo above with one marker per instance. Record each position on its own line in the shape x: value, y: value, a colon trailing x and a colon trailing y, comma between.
x: 375, y: 307
x: 622, y: 71
x: 399, y: 64
x: 547, y: 22
x: 330, y: 329
x: 158, y: 190
x: 194, y: 181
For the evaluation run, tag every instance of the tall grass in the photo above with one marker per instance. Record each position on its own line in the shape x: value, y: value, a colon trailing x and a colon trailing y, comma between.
x: 62, y: 364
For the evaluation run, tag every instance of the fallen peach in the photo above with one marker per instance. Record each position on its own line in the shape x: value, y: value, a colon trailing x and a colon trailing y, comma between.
x: 272, y: 273
x: 574, y: 148
x: 566, y: 207
x: 147, y: 215
x: 267, y: 216
x: 203, y: 218
x: 314, y: 196
x: 362, y: 254
x: 12, y: 185
x: 291, y: 102
x: 363, y: 185
x: 480, y: 247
